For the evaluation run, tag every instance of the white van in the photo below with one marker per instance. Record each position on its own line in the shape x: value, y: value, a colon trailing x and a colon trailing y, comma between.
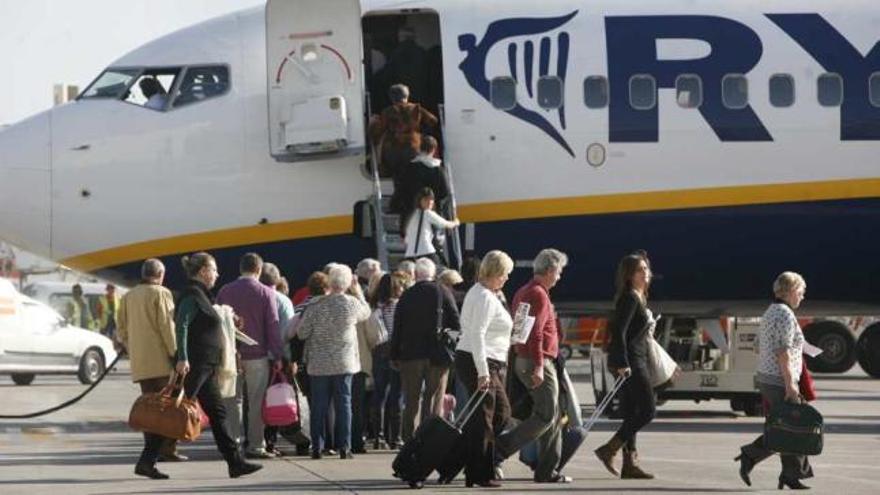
x: 59, y: 294
x: 36, y: 340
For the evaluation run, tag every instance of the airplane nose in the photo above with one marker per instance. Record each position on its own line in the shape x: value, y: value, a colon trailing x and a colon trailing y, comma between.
x: 25, y: 176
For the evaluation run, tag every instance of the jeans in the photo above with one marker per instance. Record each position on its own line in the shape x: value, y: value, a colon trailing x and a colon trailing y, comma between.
x: 322, y: 388
x: 386, y: 400
x: 358, y: 409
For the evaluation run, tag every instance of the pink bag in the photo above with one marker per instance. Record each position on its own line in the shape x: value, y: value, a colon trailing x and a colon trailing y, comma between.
x: 279, y: 404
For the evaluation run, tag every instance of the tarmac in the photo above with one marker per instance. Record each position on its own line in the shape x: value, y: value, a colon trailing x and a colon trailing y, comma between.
x: 88, y: 449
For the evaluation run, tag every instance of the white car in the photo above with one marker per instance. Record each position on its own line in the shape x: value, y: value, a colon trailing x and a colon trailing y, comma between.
x: 36, y: 340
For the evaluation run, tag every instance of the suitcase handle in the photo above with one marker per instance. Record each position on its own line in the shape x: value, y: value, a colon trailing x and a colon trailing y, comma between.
x: 470, y: 407
x: 603, y: 404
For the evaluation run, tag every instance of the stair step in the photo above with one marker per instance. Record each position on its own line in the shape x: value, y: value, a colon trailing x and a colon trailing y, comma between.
x: 391, y: 222
x: 387, y: 186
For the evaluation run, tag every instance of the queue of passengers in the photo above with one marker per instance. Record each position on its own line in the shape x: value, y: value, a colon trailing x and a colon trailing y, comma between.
x: 363, y: 348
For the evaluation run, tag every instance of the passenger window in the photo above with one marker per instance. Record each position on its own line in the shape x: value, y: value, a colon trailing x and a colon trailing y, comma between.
x: 550, y: 92
x: 642, y: 92
x: 152, y: 89
x: 202, y: 83
x: 781, y: 90
x: 596, y: 92
x: 689, y: 91
x: 735, y: 91
x: 503, y: 93
x: 829, y: 90
x: 874, y: 89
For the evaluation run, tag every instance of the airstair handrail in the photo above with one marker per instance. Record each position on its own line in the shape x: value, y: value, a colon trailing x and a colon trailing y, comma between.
x: 453, y: 205
x: 379, y: 233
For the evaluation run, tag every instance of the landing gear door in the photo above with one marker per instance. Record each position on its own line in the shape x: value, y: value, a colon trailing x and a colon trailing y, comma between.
x: 315, y: 78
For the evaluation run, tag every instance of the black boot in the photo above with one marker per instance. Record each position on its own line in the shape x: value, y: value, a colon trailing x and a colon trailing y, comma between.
x: 238, y: 467
x: 745, y: 467
x: 149, y: 472
x: 794, y: 483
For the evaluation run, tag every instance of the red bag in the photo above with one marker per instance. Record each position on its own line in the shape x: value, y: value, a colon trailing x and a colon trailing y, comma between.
x: 806, y: 385
x: 204, y: 420
x: 279, y: 404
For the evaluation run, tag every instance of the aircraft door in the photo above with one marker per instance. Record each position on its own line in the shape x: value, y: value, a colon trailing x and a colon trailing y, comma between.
x: 315, y: 79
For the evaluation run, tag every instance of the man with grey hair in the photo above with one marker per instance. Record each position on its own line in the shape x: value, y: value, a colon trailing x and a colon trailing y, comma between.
x: 145, y: 327
x: 423, y: 310
x: 535, y: 368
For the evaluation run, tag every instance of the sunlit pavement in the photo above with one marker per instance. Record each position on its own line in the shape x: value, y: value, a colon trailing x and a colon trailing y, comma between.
x: 87, y: 449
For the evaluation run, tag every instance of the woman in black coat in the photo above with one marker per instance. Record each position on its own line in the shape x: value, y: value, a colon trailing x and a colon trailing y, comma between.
x: 628, y: 356
x: 200, y: 343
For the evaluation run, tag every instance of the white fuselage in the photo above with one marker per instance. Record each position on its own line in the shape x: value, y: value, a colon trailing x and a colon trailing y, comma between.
x: 98, y: 184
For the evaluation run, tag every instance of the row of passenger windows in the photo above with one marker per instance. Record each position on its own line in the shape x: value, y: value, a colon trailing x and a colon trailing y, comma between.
x: 688, y: 91
x: 161, y: 89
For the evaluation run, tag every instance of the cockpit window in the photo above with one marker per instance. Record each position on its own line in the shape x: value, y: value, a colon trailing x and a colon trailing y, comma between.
x: 161, y: 89
x: 152, y: 88
x: 201, y: 83
x: 113, y: 83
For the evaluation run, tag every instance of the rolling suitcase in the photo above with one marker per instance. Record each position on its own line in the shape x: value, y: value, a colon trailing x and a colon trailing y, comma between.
x: 572, y: 435
x: 431, y: 442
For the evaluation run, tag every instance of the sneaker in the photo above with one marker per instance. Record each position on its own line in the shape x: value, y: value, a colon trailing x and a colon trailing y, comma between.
x: 174, y: 457
x: 499, y: 473
x: 259, y: 454
x: 275, y: 451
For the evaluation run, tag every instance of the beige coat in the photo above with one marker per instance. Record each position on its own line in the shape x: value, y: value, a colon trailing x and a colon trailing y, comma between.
x: 145, y: 326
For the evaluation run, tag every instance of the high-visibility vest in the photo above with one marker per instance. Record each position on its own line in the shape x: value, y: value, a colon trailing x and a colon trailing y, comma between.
x: 103, y: 310
x: 75, y: 316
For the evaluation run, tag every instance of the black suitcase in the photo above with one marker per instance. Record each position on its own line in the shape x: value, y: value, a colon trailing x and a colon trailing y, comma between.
x: 431, y: 442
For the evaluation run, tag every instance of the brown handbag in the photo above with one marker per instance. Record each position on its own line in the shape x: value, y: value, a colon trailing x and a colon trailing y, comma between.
x: 166, y: 414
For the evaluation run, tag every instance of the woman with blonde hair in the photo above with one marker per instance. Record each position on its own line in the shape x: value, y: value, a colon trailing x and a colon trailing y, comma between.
x: 480, y: 360
x: 780, y: 362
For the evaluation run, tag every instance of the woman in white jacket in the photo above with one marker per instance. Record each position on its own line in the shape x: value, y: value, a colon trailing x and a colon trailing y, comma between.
x: 480, y: 359
x: 419, y: 233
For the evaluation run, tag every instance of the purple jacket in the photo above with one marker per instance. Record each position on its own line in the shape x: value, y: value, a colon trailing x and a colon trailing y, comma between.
x: 256, y: 305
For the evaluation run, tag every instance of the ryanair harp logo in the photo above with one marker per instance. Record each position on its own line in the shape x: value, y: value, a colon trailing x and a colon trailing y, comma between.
x: 535, y: 48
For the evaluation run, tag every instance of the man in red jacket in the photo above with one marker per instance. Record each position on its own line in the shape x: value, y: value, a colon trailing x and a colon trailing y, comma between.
x: 535, y: 369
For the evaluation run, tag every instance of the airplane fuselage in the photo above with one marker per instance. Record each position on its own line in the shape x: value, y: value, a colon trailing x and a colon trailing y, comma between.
x: 732, y: 142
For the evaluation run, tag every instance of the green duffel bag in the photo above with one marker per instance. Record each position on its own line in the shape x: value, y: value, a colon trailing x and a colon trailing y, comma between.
x: 794, y: 429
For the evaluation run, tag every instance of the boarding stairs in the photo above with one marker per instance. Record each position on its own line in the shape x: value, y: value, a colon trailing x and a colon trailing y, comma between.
x: 386, y: 225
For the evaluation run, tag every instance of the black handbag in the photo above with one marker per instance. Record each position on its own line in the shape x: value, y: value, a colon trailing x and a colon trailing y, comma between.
x: 794, y: 429
x: 443, y: 350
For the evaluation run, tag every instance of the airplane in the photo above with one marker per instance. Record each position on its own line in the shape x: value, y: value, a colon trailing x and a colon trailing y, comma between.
x: 732, y: 141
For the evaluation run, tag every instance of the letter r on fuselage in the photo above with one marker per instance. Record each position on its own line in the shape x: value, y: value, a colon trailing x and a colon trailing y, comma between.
x: 632, y: 50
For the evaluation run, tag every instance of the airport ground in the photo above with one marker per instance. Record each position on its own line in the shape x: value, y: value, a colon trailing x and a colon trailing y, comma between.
x: 88, y: 449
